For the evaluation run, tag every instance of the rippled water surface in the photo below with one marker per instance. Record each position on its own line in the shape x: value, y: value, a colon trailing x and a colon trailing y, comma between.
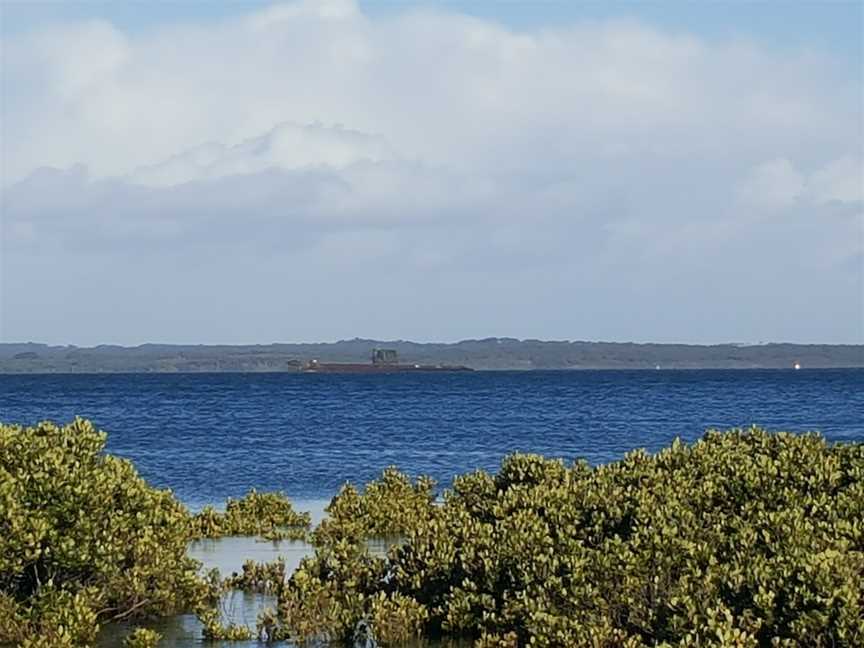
x: 216, y: 435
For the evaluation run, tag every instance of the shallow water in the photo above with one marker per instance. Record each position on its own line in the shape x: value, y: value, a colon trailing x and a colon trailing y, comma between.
x: 228, y: 555
x: 184, y: 630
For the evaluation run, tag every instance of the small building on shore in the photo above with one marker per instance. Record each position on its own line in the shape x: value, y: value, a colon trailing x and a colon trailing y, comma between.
x: 383, y: 361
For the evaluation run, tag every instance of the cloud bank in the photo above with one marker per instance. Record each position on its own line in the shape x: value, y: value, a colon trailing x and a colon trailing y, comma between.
x: 308, y: 172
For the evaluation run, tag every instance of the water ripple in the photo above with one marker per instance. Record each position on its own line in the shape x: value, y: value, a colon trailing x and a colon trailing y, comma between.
x: 210, y: 436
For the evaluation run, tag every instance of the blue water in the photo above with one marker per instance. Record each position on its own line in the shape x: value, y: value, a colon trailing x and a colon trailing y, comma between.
x: 212, y: 436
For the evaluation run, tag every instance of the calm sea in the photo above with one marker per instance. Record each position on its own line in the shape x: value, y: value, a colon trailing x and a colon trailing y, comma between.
x: 216, y: 435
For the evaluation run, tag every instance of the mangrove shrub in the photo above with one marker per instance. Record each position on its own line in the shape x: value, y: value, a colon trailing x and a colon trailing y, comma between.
x: 83, y: 539
x: 745, y: 538
x: 269, y: 515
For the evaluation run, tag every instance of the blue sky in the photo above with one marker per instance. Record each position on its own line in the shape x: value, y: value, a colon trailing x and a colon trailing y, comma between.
x: 832, y: 25
x: 248, y: 172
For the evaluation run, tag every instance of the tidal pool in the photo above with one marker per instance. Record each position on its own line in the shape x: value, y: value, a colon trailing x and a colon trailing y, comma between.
x: 184, y: 630
x: 228, y: 555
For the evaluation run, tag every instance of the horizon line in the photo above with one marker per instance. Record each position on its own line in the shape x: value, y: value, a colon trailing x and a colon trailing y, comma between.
x: 427, y: 342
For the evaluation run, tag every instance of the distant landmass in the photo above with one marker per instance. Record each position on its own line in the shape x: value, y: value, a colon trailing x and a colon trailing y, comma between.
x: 485, y: 354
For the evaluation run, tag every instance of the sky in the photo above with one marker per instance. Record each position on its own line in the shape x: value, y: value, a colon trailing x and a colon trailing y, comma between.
x: 253, y: 172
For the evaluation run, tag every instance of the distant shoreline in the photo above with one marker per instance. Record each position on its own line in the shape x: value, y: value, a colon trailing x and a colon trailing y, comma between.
x: 255, y: 372
x: 490, y: 354
x: 353, y: 375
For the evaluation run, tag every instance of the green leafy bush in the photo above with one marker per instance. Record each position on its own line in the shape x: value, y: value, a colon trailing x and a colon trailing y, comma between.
x: 396, y: 619
x: 83, y: 539
x: 269, y: 515
x: 215, y: 629
x: 745, y: 538
x: 258, y: 577
x: 142, y: 638
x: 329, y: 595
x: 389, y: 506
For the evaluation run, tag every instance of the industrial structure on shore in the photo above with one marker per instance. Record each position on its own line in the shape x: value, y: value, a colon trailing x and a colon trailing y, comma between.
x: 383, y: 361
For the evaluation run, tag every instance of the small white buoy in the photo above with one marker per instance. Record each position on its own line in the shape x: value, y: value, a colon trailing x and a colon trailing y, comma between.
x: 657, y: 367
x: 797, y: 365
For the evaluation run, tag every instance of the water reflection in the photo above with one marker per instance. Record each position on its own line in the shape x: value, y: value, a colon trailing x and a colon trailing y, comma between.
x: 228, y: 555
x: 184, y: 630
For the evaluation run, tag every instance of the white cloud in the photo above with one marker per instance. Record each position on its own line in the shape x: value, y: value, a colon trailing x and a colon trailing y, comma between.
x: 773, y: 184
x: 286, y: 146
x: 841, y: 180
x: 575, y: 172
x: 325, y: 10
x: 81, y: 58
x: 437, y: 86
x: 778, y: 184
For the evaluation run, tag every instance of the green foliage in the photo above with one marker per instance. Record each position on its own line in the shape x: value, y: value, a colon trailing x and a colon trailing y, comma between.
x: 269, y: 515
x: 396, y: 619
x: 59, y: 618
x: 745, y: 538
x: 83, y: 539
x: 264, y: 578
x: 389, y: 506
x: 337, y: 594
x: 329, y: 594
x: 142, y: 638
x: 215, y: 629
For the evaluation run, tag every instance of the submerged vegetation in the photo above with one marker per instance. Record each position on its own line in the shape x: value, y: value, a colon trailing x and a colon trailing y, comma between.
x: 389, y: 506
x: 269, y: 515
x: 142, y: 638
x: 745, y: 538
x: 263, y: 578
